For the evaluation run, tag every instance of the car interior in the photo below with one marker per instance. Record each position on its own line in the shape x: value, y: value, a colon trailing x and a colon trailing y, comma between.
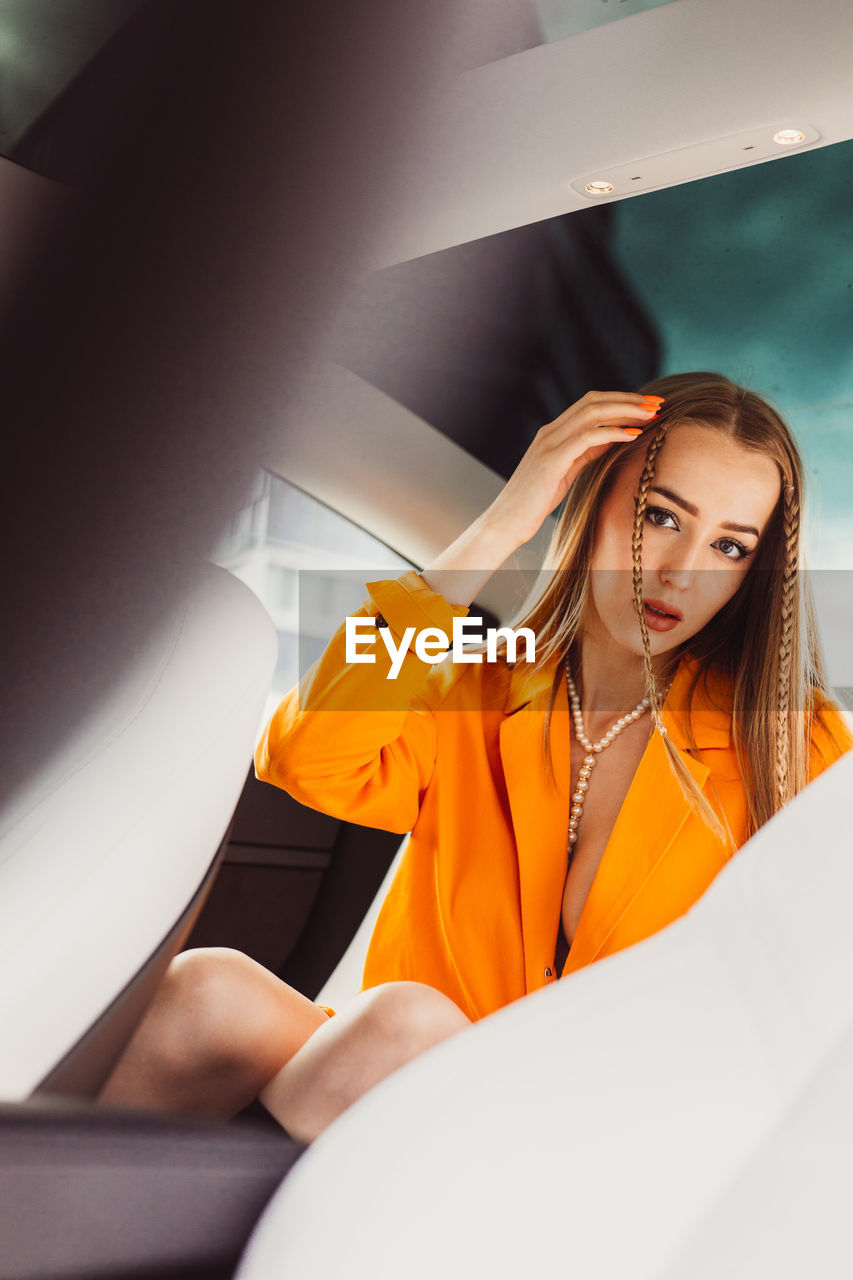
x: 287, y: 294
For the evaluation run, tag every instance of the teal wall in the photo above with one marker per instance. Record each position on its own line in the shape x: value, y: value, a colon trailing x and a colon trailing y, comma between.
x: 751, y: 273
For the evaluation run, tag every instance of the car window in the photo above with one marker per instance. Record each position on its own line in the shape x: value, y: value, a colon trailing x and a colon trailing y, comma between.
x: 287, y: 546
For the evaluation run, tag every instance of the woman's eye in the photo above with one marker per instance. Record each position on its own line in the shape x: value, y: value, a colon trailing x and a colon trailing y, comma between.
x: 732, y: 548
x: 661, y: 518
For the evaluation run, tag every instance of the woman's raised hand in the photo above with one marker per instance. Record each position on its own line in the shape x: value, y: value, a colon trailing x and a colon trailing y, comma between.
x: 595, y: 423
x: 560, y: 450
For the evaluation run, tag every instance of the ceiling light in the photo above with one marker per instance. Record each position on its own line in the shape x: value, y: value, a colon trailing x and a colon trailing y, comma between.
x: 684, y: 164
x: 789, y: 137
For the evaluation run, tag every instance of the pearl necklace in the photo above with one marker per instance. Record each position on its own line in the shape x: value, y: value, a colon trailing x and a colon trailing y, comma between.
x: 592, y: 749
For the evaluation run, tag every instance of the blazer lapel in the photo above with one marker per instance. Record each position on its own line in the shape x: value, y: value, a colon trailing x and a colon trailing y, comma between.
x: 540, y: 817
x: 652, y: 815
x: 654, y: 811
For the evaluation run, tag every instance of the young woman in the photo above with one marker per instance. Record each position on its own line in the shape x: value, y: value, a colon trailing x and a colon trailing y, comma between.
x: 559, y: 811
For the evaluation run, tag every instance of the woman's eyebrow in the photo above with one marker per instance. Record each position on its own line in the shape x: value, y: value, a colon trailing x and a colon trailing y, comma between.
x: 694, y: 511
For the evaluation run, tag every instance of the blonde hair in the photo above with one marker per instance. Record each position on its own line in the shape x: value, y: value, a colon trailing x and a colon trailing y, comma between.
x: 764, y: 641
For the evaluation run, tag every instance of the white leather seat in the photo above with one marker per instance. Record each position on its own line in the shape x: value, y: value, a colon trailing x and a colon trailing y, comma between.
x: 102, y: 852
x: 593, y: 1126
x: 787, y: 1212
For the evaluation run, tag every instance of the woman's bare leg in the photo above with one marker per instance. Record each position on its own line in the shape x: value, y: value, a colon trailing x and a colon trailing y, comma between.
x: 223, y: 1030
x: 218, y: 1029
x: 381, y: 1030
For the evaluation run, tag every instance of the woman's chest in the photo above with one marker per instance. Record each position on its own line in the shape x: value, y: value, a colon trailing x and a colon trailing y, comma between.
x: 596, y: 807
x: 488, y: 859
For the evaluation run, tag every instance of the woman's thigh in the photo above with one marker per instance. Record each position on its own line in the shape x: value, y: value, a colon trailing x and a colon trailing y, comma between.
x: 382, y: 1029
x: 219, y: 1027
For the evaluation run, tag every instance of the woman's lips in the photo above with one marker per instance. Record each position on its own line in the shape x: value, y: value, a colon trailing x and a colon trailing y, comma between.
x: 660, y: 616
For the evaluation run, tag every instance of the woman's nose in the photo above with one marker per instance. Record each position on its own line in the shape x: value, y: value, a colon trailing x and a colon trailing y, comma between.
x: 680, y: 577
x: 678, y: 570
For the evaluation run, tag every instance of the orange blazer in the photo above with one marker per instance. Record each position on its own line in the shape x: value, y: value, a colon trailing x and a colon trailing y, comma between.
x: 453, y: 753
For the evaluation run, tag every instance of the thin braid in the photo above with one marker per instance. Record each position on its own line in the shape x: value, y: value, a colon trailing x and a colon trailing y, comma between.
x: 640, y: 503
x: 791, y: 528
x: 692, y: 792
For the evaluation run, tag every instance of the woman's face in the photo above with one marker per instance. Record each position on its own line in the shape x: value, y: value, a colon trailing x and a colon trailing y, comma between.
x: 708, y: 506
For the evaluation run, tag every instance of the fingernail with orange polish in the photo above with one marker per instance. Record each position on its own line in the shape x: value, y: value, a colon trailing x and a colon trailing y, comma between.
x: 655, y: 399
x: 633, y: 431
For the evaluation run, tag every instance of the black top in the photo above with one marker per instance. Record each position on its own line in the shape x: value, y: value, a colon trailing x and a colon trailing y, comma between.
x: 561, y: 953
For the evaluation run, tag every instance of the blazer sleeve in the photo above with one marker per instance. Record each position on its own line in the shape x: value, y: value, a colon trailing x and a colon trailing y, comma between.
x: 831, y: 738
x: 348, y: 740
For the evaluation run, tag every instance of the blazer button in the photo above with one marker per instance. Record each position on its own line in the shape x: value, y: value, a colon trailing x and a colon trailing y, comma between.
x: 548, y: 975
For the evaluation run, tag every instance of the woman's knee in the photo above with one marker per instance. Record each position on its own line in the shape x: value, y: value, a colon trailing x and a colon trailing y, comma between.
x: 238, y: 1011
x: 219, y: 1027
x: 203, y: 1007
x: 209, y: 975
x: 411, y: 1015
x: 383, y: 1029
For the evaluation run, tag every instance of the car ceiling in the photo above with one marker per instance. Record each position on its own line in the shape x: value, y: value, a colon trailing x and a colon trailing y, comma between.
x: 743, y: 271
x: 501, y: 144
x: 516, y: 116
